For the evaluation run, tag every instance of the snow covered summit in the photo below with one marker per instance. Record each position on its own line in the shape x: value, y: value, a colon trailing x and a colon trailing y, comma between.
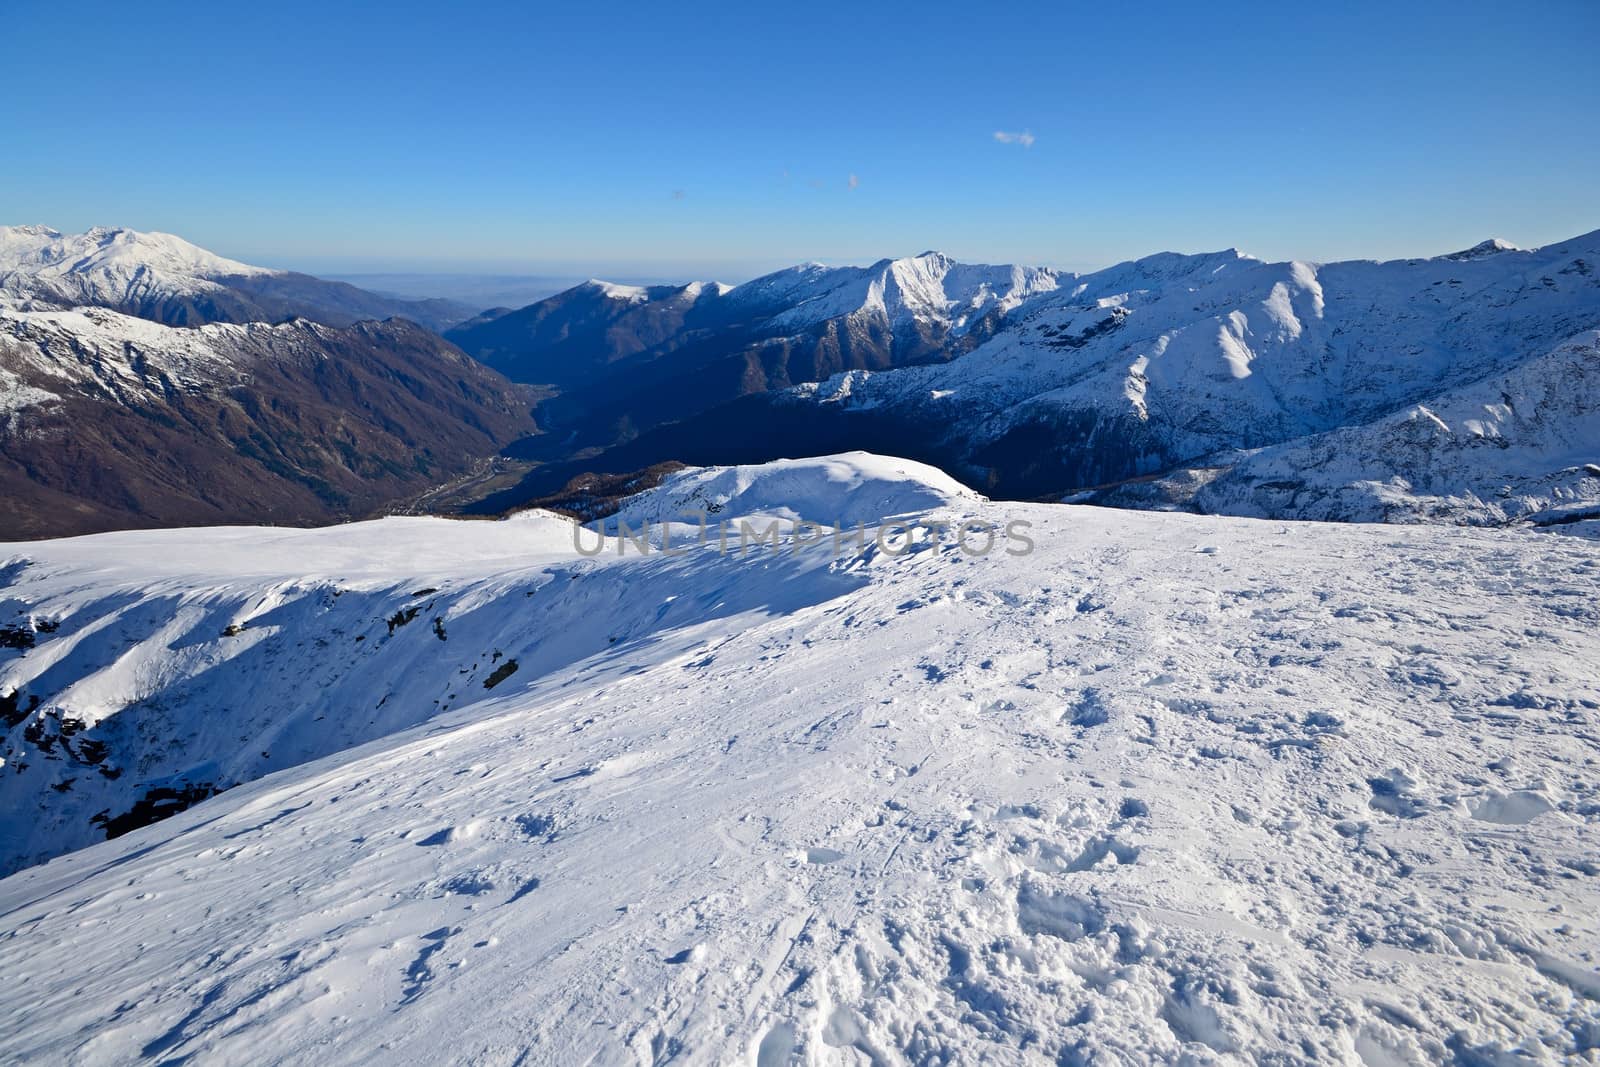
x: 845, y: 490
x: 1177, y: 363
x: 931, y: 288
x: 113, y: 257
x: 146, y: 381
x: 164, y: 278
x: 110, y: 267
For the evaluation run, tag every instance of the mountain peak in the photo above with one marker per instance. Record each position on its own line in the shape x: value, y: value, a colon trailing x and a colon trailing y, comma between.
x: 1493, y: 246
x: 614, y: 291
x: 162, y: 277
x: 114, y: 251
x: 27, y: 231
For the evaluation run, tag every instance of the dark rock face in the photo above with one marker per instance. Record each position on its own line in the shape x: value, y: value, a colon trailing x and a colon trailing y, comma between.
x: 158, y: 803
x: 1036, y: 457
x: 295, y: 424
x: 591, y: 495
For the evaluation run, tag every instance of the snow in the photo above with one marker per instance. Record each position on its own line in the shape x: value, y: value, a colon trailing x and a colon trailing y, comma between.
x: 1168, y: 789
x: 16, y: 394
x: 844, y: 490
x: 1509, y: 448
x: 47, y: 353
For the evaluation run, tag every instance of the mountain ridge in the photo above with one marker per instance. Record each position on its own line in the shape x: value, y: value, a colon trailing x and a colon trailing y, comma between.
x: 162, y: 277
x: 628, y: 358
x: 109, y: 421
x: 1155, y: 364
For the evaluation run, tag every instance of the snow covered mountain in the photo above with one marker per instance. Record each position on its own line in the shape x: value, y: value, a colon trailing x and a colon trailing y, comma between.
x: 1167, y: 788
x: 1179, y: 362
x: 1212, y: 382
x: 147, y: 382
x: 916, y: 293
x: 628, y: 358
x: 1519, y: 446
x: 166, y: 279
x: 1139, y: 368
x: 109, y: 421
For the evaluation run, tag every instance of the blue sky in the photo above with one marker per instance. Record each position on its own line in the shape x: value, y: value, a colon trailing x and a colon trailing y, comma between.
x: 702, y: 139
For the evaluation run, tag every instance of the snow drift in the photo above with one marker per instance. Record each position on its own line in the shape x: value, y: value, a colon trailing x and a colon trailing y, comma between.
x: 841, y: 490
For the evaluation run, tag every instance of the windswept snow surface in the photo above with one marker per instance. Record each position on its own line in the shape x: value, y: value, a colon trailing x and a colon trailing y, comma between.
x: 1167, y: 789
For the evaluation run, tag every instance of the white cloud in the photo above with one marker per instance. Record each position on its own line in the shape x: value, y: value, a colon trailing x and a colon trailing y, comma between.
x: 1025, y: 138
x: 854, y: 182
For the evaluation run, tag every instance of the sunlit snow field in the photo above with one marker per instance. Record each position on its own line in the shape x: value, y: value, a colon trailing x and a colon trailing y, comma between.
x: 1167, y: 789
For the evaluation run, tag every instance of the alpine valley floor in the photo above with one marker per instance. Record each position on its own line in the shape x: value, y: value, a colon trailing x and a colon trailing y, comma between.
x: 1167, y: 789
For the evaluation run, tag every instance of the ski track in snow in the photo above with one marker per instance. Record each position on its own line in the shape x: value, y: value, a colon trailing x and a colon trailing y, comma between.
x: 1169, y: 789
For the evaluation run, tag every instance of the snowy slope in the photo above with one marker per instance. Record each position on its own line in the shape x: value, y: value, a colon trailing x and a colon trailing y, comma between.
x: 930, y: 289
x: 833, y: 490
x: 91, y: 350
x: 111, y: 258
x: 1169, y: 789
x: 1524, y: 445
